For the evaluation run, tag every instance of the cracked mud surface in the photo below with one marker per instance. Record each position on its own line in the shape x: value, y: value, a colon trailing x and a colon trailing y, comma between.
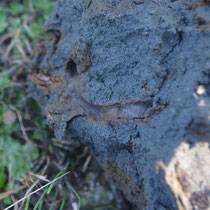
x: 132, y: 81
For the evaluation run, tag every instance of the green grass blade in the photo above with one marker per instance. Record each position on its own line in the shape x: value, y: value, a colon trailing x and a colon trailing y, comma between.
x: 54, y: 198
x: 27, y: 202
x: 59, y: 174
x: 78, y: 197
x: 63, y: 202
x: 40, y: 201
x: 37, y: 190
x: 53, y: 184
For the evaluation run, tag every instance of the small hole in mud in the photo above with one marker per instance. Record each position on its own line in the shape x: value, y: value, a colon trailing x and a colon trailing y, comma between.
x: 71, y: 68
x: 201, y: 21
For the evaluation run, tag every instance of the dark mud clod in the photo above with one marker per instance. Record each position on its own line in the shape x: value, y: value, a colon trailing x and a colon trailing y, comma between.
x: 123, y: 80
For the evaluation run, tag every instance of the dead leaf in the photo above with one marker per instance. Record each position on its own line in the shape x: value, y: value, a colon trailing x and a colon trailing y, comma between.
x: 9, y: 117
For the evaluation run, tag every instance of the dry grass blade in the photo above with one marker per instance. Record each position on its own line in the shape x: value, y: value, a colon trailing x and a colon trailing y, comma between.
x: 28, y: 29
x: 7, y: 36
x: 31, y: 188
x: 42, y: 178
x: 20, y: 119
x: 9, y: 48
x: 10, y: 192
x: 22, y: 52
x: 37, y: 190
x: 28, y: 46
x: 8, y: 72
x: 87, y: 162
x: 11, y: 45
x: 67, y: 143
